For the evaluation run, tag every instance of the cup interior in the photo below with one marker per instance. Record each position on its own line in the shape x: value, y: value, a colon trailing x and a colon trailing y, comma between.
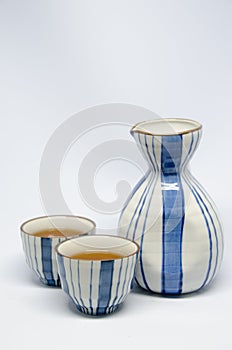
x: 101, y: 243
x: 60, y: 222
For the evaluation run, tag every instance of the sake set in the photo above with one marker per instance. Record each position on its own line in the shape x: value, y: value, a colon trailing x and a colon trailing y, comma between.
x: 169, y: 239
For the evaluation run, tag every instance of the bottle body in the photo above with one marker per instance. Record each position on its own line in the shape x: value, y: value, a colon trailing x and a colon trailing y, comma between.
x: 172, y: 218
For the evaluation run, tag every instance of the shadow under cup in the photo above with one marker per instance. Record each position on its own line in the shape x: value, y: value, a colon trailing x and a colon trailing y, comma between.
x: 39, y: 251
x: 97, y: 286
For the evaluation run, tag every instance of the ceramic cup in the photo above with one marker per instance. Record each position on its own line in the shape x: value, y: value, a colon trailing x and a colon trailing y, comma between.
x: 97, y: 287
x: 39, y: 251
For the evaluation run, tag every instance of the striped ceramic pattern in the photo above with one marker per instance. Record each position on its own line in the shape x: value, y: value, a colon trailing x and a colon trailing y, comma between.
x: 40, y: 256
x: 172, y: 218
x: 97, y: 287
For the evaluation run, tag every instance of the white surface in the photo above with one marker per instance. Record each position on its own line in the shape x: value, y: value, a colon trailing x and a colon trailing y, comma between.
x: 58, y: 57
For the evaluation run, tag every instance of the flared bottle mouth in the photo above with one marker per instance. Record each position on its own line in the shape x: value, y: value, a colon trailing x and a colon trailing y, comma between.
x: 166, y: 126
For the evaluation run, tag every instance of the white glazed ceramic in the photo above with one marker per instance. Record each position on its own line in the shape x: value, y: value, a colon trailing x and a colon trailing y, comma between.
x: 39, y: 251
x: 97, y: 287
x: 169, y: 214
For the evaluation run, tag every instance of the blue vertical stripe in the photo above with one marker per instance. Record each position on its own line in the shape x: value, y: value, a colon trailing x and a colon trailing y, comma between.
x: 151, y: 160
x: 136, y: 209
x: 29, y: 251
x: 133, y: 274
x: 105, y: 285
x: 214, y: 229
x: 144, y: 227
x: 36, y: 260
x: 144, y: 198
x: 173, y: 214
x: 127, y: 280
x: 129, y: 283
x: 71, y: 280
x: 195, y: 194
x: 203, y: 208
x: 118, y: 283
x: 124, y: 281
x: 137, y: 186
x: 199, y: 187
x: 198, y: 190
x: 79, y: 286
x: 63, y: 273
x: 46, y: 250
x: 91, y: 288
x: 141, y: 200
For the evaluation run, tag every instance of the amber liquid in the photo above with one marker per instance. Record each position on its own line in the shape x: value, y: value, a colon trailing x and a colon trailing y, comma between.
x: 53, y: 232
x: 97, y: 255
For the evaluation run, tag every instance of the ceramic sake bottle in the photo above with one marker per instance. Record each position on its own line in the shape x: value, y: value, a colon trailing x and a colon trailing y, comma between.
x: 169, y: 214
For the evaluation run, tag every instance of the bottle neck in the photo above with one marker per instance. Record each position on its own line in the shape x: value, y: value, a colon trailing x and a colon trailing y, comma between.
x: 170, y: 153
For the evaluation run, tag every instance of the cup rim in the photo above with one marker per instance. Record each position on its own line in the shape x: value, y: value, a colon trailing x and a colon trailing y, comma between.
x: 137, y: 128
x: 97, y: 235
x: 57, y: 216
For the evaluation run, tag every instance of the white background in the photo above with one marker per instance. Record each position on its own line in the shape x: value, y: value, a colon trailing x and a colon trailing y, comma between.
x: 59, y: 57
